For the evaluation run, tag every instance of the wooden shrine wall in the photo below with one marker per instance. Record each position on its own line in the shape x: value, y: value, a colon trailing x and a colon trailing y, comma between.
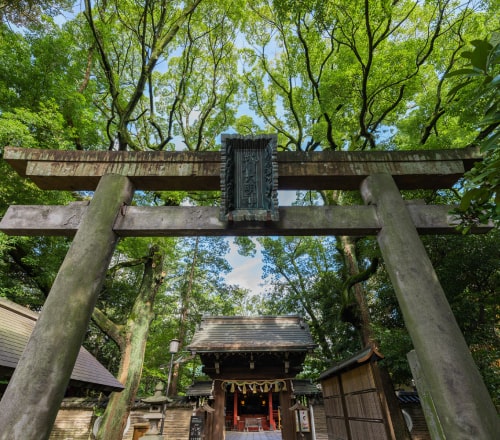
x: 77, y: 424
x: 352, y: 405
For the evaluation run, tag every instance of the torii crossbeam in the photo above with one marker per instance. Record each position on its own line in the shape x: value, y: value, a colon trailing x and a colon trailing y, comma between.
x: 456, y: 395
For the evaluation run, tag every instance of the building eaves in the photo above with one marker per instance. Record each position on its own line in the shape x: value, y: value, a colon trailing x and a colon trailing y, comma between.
x: 260, y: 333
x: 367, y: 354
x: 16, y: 325
x: 200, y: 389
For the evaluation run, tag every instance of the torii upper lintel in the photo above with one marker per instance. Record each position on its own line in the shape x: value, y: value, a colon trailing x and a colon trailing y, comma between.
x: 181, y: 170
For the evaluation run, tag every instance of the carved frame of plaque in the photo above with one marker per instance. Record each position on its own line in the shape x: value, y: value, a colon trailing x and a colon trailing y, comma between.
x: 249, y: 178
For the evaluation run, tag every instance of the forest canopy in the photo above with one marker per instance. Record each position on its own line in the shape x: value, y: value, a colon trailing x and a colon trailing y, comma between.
x: 157, y: 75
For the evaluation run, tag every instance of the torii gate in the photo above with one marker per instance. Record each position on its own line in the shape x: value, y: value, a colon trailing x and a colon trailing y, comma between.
x: 457, y: 399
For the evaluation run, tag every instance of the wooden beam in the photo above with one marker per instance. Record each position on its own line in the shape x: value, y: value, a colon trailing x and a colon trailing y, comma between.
x: 42, y: 374
x: 135, y: 221
x: 175, y: 170
x: 457, y: 391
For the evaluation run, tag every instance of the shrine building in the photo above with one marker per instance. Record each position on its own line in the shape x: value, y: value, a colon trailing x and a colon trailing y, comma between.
x: 16, y: 326
x: 252, y: 362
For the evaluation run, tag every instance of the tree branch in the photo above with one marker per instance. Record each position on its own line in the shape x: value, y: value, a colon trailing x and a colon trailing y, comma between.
x: 114, y: 331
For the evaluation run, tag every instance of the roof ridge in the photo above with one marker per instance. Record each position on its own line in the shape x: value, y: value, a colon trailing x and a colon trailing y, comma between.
x: 17, y: 308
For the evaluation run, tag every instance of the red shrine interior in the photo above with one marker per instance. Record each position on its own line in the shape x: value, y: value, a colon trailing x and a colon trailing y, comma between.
x: 252, y: 411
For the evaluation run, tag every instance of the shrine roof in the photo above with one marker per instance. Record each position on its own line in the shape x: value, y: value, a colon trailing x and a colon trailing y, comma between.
x: 304, y: 387
x: 16, y: 325
x: 221, y: 334
x: 201, y: 388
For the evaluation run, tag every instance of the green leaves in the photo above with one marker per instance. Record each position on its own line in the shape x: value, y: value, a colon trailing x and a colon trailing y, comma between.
x: 358, y: 75
x: 478, y: 58
x: 480, y: 201
x: 32, y: 13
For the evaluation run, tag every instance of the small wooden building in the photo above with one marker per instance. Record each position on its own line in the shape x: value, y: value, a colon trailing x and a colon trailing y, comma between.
x: 360, y: 402
x: 74, y: 420
x: 16, y: 325
x: 252, y: 361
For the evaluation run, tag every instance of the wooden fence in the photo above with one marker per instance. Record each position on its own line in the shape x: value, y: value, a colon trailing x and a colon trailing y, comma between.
x: 77, y: 424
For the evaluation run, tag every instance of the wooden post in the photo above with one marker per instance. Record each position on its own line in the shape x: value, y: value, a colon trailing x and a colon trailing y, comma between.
x: 235, y: 410
x: 209, y: 423
x: 287, y: 416
x: 272, y: 423
x: 219, y: 418
x: 396, y: 425
x: 32, y: 399
x: 463, y: 405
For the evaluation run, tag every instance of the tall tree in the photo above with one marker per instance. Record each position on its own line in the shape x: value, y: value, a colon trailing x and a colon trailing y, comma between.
x: 175, y: 84
x: 361, y: 75
x: 200, y: 288
x: 131, y: 338
x: 31, y: 12
x: 467, y: 267
x: 146, y: 108
x: 481, y: 199
x: 324, y: 75
x: 304, y: 277
x: 197, y: 92
x: 35, y: 89
x: 160, y: 24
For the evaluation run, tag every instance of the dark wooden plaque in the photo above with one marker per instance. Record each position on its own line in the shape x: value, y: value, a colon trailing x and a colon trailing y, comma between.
x: 249, y: 178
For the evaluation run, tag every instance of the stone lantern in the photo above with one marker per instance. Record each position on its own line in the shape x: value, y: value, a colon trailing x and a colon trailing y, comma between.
x: 156, y: 412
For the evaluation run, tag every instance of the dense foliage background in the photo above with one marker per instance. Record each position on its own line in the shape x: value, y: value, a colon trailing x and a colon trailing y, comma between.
x: 345, y: 75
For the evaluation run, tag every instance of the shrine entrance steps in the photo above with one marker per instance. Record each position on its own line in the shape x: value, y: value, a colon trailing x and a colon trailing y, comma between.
x: 262, y: 435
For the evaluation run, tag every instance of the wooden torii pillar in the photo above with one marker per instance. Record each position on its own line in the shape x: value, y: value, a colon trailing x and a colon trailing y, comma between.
x: 461, y: 405
x: 31, y: 401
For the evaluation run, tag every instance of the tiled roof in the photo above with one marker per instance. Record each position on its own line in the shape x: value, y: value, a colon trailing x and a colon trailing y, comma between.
x: 303, y: 387
x: 16, y: 325
x: 201, y: 388
x: 258, y: 333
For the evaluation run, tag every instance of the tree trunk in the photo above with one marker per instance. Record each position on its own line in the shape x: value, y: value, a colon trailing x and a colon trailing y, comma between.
x: 184, y: 316
x: 348, y: 246
x: 132, y: 346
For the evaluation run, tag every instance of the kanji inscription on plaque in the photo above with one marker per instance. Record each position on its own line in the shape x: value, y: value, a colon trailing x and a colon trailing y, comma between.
x: 249, y: 178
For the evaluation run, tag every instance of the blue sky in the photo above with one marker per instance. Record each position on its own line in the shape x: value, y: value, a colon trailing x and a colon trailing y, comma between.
x: 247, y: 271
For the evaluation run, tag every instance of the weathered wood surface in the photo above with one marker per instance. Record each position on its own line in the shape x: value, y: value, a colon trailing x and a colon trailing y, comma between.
x: 460, y: 398
x: 72, y: 423
x: 175, y: 170
x: 77, y: 423
x: 320, y: 422
x: 135, y: 221
x: 35, y: 391
x: 177, y: 423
